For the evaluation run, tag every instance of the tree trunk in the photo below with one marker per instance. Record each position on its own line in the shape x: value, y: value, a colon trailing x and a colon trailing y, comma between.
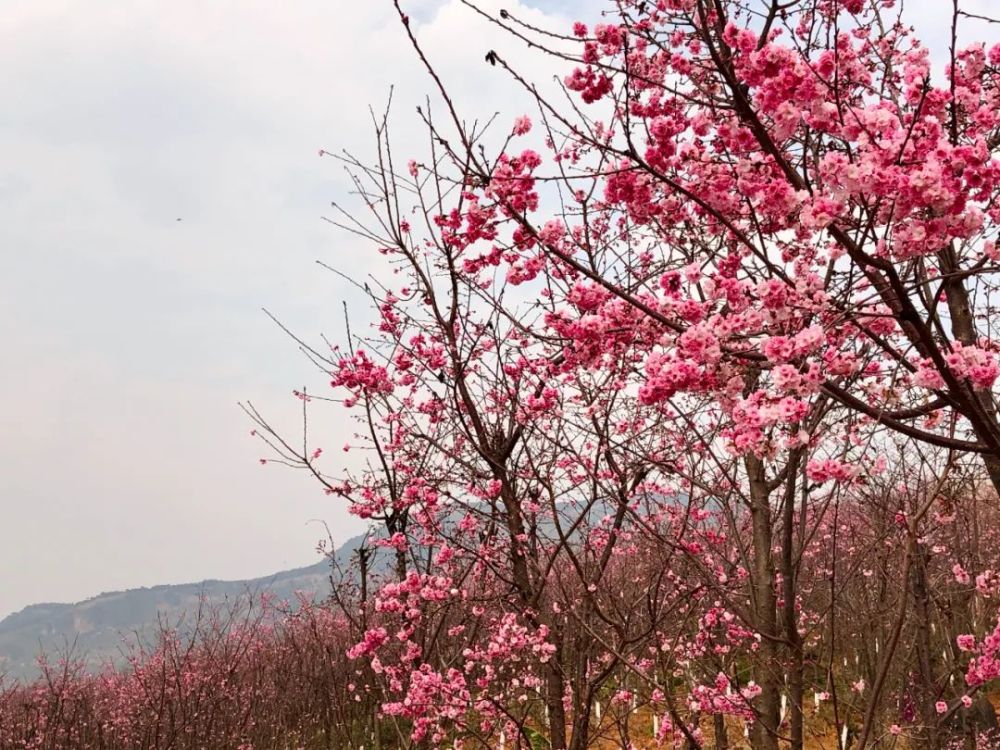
x: 767, y: 667
x: 928, y: 737
x: 554, y: 701
x: 789, y: 575
x: 555, y: 682
x: 719, y: 727
x: 580, y: 739
x: 963, y: 329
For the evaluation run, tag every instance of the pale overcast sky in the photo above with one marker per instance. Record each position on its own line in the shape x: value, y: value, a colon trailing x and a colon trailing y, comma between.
x: 128, y: 336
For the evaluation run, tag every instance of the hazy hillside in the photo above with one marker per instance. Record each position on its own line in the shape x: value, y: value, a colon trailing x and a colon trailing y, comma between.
x: 96, y: 627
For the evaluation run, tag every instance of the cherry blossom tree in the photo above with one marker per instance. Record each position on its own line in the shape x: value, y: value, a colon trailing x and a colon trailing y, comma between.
x: 754, y: 266
x: 828, y: 206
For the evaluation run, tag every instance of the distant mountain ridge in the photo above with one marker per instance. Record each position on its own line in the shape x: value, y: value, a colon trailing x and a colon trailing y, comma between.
x: 95, y: 628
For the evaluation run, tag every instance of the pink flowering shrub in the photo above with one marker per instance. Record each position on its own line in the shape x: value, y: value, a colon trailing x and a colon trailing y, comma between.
x: 259, y: 681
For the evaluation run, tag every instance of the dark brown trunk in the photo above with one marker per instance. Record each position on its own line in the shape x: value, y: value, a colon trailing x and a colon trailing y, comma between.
x: 789, y: 576
x: 516, y: 532
x: 719, y: 727
x: 767, y: 667
x: 580, y: 739
x: 583, y: 695
x: 396, y: 524
x: 992, y: 464
x: 963, y: 329
x: 555, y: 682
x: 554, y: 703
x: 927, y: 688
